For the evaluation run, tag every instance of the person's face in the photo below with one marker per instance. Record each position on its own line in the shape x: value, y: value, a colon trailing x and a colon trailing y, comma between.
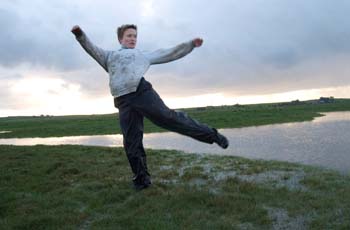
x: 129, y: 38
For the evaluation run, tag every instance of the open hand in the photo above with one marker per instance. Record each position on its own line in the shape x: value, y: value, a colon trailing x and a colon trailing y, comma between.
x: 197, y: 42
x: 77, y: 31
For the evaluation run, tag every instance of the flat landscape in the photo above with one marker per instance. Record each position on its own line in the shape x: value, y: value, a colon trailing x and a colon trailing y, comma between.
x: 219, y: 117
x: 80, y: 187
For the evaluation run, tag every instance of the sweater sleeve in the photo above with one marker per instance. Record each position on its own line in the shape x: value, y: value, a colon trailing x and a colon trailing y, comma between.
x: 167, y: 55
x: 100, y: 55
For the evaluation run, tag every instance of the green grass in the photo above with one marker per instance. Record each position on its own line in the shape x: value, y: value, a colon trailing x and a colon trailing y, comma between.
x: 219, y: 117
x: 77, y: 187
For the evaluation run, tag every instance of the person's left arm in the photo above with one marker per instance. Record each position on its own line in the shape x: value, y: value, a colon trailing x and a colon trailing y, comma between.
x: 167, y: 55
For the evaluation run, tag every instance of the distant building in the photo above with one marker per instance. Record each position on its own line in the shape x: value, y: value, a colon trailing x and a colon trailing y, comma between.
x: 326, y: 99
x: 295, y: 102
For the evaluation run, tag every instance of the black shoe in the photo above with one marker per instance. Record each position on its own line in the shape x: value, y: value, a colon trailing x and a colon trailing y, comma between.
x: 139, y: 187
x: 142, y: 184
x: 221, y: 140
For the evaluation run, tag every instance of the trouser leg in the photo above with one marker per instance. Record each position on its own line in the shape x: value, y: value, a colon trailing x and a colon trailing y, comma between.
x: 131, y: 123
x: 152, y: 106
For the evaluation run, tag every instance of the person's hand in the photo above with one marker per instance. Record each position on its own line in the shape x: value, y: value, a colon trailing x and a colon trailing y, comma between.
x: 197, y: 42
x: 77, y: 31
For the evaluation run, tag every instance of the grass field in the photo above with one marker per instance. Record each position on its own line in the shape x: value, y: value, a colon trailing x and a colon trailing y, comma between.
x: 219, y: 117
x: 77, y: 187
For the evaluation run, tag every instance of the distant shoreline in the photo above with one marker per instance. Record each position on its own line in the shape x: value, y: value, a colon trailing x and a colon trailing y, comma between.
x: 233, y: 116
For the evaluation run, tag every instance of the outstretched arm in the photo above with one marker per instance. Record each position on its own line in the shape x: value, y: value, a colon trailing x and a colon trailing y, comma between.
x: 100, y: 55
x: 166, y: 55
x: 197, y: 42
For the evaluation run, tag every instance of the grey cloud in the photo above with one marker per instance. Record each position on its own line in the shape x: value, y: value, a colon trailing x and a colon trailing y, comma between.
x: 249, y: 46
x: 38, y: 32
x: 93, y: 82
x: 35, y: 45
x: 258, y: 46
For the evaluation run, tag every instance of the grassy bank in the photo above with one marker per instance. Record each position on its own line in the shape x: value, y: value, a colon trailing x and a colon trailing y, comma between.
x: 220, y: 117
x: 77, y: 187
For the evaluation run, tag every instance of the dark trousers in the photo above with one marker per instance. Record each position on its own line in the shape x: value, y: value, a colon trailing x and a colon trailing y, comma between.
x: 145, y: 102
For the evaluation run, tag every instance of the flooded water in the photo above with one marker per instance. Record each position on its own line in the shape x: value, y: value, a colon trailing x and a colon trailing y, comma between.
x: 5, y: 132
x: 323, y: 142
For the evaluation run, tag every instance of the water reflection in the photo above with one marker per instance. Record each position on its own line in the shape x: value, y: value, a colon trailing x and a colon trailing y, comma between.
x: 333, y: 116
x: 5, y: 132
x: 323, y: 141
x: 97, y: 140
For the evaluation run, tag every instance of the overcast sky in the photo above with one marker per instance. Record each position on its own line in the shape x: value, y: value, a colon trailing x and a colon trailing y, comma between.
x: 254, y: 51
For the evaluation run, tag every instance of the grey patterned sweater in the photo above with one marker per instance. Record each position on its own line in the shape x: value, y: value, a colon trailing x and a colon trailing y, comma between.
x: 126, y: 67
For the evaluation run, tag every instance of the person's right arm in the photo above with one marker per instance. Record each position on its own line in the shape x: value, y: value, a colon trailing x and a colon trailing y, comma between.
x: 100, y: 55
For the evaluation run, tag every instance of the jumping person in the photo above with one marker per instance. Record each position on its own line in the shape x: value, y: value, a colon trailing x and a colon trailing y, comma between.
x: 135, y: 98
